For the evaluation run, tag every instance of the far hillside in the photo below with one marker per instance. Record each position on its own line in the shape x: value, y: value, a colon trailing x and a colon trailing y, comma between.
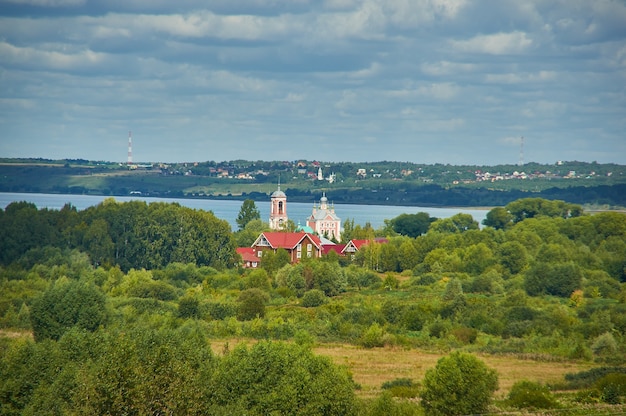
x: 384, y: 183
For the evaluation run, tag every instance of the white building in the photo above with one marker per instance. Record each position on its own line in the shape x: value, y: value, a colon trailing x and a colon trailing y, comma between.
x: 324, y: 221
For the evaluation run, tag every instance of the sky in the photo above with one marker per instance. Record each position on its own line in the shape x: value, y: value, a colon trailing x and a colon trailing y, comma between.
x: 424, y: 81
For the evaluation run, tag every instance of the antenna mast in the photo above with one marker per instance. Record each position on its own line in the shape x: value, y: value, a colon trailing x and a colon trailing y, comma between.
x: 521, y: 152
x: 130, y: 148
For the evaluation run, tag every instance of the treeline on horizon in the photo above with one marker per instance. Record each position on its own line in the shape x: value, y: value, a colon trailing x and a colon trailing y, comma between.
x: 124, y: 299
x: 437, y: 195
x: 386, y: 183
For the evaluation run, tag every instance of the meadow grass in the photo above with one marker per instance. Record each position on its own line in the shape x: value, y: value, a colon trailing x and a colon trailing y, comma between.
x: 370, y: 368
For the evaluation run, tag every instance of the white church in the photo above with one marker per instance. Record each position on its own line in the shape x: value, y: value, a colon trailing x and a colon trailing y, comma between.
x: 323, y: 220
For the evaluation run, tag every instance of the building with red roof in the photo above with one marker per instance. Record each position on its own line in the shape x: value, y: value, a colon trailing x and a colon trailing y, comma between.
x: 353, y: 246
x: 249, y: 259
x: 299, y: 245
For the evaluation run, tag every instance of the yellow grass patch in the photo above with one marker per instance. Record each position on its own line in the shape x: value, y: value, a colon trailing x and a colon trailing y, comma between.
x: 370, y: 368
x: 4, y: 333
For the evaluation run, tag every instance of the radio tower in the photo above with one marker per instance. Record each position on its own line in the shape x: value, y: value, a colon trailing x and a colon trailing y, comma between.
x: 521, y: 152
x: 130, y: 148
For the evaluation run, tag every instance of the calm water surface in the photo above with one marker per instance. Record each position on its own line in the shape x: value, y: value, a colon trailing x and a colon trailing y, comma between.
x: 228, y: 210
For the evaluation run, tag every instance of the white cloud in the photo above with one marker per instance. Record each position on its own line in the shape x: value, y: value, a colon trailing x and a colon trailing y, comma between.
x: 438, y: 91
x: 51, y: 60
x: 443, y: 68
x: 520, y: 77
x: 496, y: 44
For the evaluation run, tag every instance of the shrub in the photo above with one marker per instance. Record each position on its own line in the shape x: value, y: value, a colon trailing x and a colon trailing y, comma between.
x: 437, y: 329
x: 465, y: 335
x: 373, y: 337
x: 313, y: 298
x: 271, y: 378
x: 605, y: 344
x: 530, y: 394
x: 460, y: 384
x: 259, y: 279
x: 589, y: 378
x: 398, y: 382
x: 67, y: 304
x: 401, y: 387
x: 221, y: 310
x: 412, y: 318
x: 612, y: 388
x: 252, y: 304
x: 188, y: 307
x: 385, y: 405
x: 391, y: 282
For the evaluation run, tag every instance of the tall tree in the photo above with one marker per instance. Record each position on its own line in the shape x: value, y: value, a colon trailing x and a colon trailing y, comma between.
x: 247, y: 213
x: 412, y: 225
x: 498, y: 218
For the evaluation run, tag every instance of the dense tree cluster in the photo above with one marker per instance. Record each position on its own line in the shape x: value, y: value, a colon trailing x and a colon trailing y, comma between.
x: 132, y: 234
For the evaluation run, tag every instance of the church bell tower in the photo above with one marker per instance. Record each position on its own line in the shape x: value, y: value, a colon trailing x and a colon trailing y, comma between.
x: 278, y: 210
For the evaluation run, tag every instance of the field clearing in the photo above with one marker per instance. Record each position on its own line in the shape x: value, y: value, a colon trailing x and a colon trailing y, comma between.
x: 370, y: 368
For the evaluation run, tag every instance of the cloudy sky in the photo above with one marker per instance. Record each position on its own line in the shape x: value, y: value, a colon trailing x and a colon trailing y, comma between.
x: 425, y: 81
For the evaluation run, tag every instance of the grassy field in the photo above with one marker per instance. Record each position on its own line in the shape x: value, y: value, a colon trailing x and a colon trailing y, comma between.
x: 370, y: 368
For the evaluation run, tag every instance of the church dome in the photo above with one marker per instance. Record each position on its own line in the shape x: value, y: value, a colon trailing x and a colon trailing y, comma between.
x: 279, y: 194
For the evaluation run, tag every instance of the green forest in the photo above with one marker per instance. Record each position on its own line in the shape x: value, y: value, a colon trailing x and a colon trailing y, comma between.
x: 142, y: 308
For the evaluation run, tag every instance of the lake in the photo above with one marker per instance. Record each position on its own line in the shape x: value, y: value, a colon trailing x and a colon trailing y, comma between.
x: 228, y: 210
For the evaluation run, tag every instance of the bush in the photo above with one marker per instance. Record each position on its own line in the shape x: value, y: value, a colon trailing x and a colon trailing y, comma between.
x: 188, y: 307
x: 373, y: 337
x: 589, y: 378
x: 65, y: 305
x: 530, y: 394
x: 401, y: 387
x: 252, y: 304
x: 271, y: 378
x: 313, y: 298
x: 398, y: 382
x: 385, y: 405
x: 605, y: 344
x: 465, y: 335
x: 612, y: 388
x: 412, y: 318
x: 460, y: 384
x: 221, y: 310
x: 437, y: 329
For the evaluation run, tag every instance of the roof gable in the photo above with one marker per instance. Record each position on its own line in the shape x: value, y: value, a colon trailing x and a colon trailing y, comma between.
x: 286, y: 240
x: 337, y: 248
x: 355, y: 245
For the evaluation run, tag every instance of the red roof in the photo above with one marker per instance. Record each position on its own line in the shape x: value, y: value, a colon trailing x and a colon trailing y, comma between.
x: 247, y: 254
x: 357, y: 244
x: 337, y: 248
x: 289, y: 240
